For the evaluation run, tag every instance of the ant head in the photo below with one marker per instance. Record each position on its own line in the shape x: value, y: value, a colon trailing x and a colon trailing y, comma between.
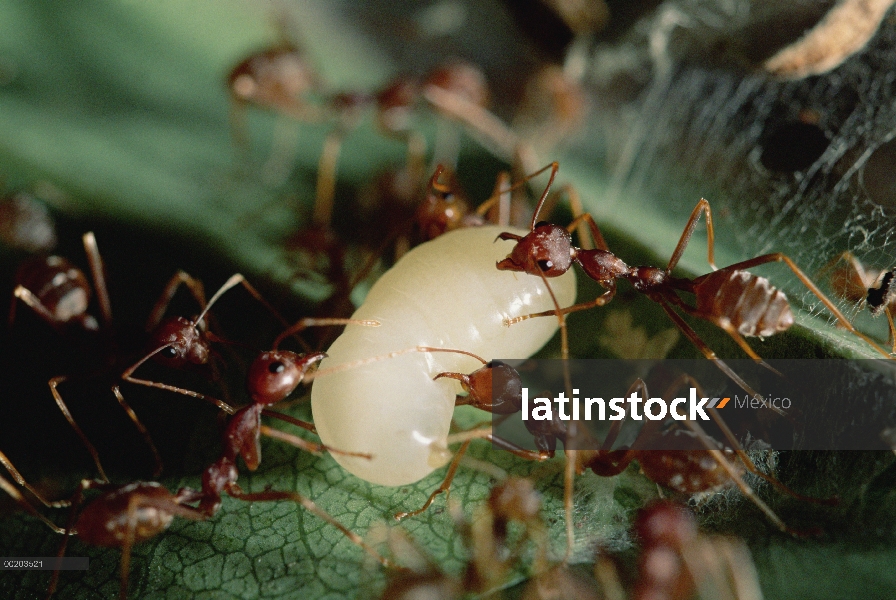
x: 274, y: 375
x: 395, y: 104
x: 273, y: 78
x: 546, y: 249
x: 665, y: 523
x: 444, y: 208
x: 462, y: 79
x: 181, y: 341
x: 497, y: 388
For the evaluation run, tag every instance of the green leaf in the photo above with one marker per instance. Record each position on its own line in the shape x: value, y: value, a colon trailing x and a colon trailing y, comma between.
x: 122, y: 107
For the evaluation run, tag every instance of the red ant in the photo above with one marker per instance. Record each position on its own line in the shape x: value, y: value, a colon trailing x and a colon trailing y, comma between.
x: 59, y: 293
x: 689, y: 462
x: 272, y: 377
x: 677, y: 561
x: 740, y: 303
x: 866, y: 287
x: 124, y: 515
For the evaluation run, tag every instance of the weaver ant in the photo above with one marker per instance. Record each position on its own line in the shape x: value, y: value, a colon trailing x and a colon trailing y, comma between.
x: 866, y: 287
x: 124, y: 515
x: 685, y: 460
x: 740, y: 303
x: 59, y: 293
x: 394, y: 409
x: 677, y: 561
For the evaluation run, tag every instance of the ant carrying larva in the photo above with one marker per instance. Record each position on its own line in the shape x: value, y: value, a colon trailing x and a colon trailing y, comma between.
x: 444, y: 293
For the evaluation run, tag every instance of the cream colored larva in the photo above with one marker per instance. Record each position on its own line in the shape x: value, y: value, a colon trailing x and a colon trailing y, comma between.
x: 446, y: 293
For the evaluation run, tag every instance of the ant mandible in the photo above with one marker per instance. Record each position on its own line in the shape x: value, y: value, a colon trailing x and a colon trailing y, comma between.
x: 740, y: 303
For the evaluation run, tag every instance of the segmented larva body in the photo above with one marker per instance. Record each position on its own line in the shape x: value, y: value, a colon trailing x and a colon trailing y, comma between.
x: 446, y: 293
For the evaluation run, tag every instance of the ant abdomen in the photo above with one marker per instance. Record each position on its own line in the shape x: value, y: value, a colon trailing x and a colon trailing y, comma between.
x: 690, y: 472
x: 96, y: 527
x: 750, y: 304
x: 61, y: 287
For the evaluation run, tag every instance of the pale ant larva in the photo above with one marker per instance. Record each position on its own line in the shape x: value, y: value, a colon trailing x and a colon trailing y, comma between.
x: 447, y: 294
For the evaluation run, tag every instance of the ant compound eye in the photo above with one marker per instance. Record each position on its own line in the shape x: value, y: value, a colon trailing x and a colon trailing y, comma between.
x: 168, y: 352
x: 545, y: 265
x: 276, y: 367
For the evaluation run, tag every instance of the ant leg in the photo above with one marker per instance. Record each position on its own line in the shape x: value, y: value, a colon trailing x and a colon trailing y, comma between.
x: 889, y: 314
x: 497, y: 135
x: 53, y: 383
x: 779, y: 257
x: 747, y: 491
x: 727, y: 328
x: 702, y: 206
x: 288, y: 419
x: 751, y: 466
x: 10, y: 489
x: 76, y: 501
x: 286, y: 137
x: 137, y: 501
x: 127, y: 376
x: 444, y: 488
x: 601, y: 300
x: 496, y: 209
x: 855, y: 280
x: 272, y: 496
x: 180, y: 278
x: 146, y: 437
x: 4, y: 460
x: 34, y: 303
x: 487, y: 434
x: 708, y: 353
x: 98, y: 271
x: 305, y: 445
x: 303, y: 324
x: 326, y: 177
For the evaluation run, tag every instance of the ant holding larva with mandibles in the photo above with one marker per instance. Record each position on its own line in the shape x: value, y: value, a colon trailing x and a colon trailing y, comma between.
x: 272, y: 377
x: 740, y: 303
x: 873, y: 288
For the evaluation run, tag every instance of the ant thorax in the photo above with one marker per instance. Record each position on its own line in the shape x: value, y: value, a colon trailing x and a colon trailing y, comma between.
x: 445, y: 293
